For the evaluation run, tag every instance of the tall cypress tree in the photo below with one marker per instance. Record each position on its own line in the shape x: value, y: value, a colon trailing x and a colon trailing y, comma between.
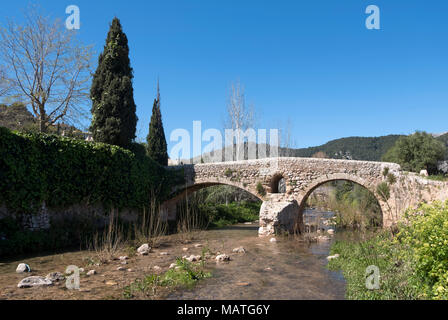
x: 157, y: 149
x: 113, y: 108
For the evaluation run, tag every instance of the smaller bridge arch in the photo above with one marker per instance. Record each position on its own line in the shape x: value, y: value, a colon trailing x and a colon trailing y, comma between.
x: 340, y: 177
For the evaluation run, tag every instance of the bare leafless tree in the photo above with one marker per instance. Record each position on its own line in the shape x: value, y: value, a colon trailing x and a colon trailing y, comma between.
x: 287, y: 141
x: 3, y: 83
x: 239, y: 117
x: 46, y: 68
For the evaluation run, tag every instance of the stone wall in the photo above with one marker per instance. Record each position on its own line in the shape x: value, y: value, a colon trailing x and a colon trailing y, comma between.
x: 42, y: 220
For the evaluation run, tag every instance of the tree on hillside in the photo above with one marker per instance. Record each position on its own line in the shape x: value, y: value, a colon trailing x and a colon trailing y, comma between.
x: 17, y: 117
x: 417, y: 152
x: 157, y: 149
x: 46, y: 68
x: 114, y: 119
x: 320, y: 155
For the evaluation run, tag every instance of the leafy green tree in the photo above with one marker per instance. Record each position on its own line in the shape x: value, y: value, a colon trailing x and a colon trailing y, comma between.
x: 157, y: 149
x: 113, y: 108
x: 417, y: 152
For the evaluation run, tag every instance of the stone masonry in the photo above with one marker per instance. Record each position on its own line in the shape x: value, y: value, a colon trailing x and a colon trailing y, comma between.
x: 283, y: 211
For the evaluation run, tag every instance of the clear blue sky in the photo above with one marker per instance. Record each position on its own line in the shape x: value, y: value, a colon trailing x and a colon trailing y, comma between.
x: 311, y: 61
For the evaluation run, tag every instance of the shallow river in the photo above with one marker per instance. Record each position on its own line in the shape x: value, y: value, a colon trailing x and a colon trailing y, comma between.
x: 286, y: 269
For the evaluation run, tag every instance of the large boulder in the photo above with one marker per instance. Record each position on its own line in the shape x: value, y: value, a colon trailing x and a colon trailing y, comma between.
x: 34, y: 281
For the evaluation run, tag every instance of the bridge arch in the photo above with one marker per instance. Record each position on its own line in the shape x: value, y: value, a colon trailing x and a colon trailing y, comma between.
x: 277, y: 183
x: 341, y: 177
x: 169, y: 207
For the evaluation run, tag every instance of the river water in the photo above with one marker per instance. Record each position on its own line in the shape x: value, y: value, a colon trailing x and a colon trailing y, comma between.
x: 288, y: 269
x: 284, y: 270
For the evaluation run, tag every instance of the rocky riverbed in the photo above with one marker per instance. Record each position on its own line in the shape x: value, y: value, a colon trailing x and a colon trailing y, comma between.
x: 243, y: 266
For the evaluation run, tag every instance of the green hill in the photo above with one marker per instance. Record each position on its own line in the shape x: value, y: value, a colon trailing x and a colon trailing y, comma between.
x: 352, y: 148
x: 16, y: 117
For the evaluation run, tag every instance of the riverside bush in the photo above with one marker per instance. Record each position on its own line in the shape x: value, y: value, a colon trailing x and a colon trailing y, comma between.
x: 426, y: 236
x: 413, y: 264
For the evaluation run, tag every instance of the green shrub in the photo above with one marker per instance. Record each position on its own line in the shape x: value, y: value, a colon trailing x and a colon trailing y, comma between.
x: 228, y: 173
x: 220, y: 215
x: 396, y: 273
x: 413, y: 265
x: 426, y: 237
x: 186, y: 275
x: 383, y: 191
x: 60, y: 171
x: 260, y: 189
x: 417, y: 152
x: 63, y: 171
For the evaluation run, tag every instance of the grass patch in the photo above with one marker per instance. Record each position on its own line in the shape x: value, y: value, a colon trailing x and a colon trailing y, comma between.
x: 413, y: 263
x: 438, y: 177
x: 154, y: 286
x: 396, y: 274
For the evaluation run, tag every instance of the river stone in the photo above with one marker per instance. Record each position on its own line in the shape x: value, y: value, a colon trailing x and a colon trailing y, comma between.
x: 273, y: 240
x: 144, y: 249
x: 198, y: 245
x: 222, y: 257
x: 34, y: 281
x: 55, y: 277
x: 173, y: 265
x: 23, y: 267
x: 163, y: 253
x: 333, y: 257
x: 121, y: 269
x: 123, y: 258
x: 193, y: 258
x: 91, y: 272
x: 157, y: 268
x: 243, y: 284
x: 330, y: 231
x: 239, y: 250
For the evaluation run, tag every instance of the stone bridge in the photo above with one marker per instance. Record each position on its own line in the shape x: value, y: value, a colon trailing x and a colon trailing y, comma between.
x: 282, y: 212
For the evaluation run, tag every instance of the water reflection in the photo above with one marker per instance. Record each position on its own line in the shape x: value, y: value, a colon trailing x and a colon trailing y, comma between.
x: 287, y: 269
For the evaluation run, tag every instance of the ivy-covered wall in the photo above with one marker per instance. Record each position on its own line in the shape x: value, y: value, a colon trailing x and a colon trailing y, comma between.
x: 62, y: 172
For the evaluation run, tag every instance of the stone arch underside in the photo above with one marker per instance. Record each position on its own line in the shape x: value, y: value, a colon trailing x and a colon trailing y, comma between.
x: 168, y: 208
x: 341, y: 177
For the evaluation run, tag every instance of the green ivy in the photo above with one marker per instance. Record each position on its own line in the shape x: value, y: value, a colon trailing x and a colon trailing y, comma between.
x: 63, y: 171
